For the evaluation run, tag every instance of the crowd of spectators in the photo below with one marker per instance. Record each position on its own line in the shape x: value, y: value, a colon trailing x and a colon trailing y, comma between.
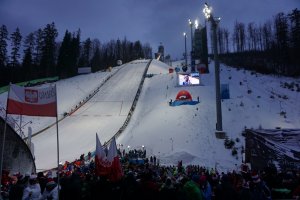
x: 149, y: 180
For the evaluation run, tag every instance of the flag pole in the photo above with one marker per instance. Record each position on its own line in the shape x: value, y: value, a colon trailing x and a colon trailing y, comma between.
x: 3, y: 143
x: 2, y: 153
x: 58, y: 187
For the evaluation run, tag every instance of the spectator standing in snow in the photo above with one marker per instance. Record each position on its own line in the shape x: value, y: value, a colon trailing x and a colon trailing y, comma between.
x: 259, y: 189
x: 205, y: 187
x: 33, y: 190
x: 51, y: 191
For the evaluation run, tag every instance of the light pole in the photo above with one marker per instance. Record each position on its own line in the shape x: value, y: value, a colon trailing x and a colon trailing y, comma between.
x: 192, y: 48
x: 214, y: 23
x: 185, y: 53
x: 205, y: 48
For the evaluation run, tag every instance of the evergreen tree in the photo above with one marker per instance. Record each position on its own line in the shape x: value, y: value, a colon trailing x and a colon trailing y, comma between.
x: 48, y: 51
x: 29, y: 41
x: 39, y: 43
x: 16, y: 39
x: 75, y: 51
x: 137, y: 50
x: 64, y: 57
x: 84, y: 60
x: 131, y: 51
x: 27, y: 63
x: 118, y: 53
x: 125, y: 50
x: 68, y: 53
x: 147, y: 51
x: 96, y: 59
x: 3, y: 46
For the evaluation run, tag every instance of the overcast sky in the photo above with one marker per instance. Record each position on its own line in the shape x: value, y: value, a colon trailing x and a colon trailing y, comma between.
x: 151, y: 21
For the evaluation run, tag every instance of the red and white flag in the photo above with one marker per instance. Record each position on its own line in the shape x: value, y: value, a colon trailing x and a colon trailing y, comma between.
x: 116, y: 172
x: 32, y: 101
x: 102, y: 165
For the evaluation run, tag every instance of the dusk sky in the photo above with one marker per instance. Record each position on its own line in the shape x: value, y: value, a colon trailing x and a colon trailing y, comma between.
x: 150, y: 21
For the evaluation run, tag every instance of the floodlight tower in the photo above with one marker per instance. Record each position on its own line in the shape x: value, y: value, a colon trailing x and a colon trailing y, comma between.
x: 214, y: 23
x: 192, y: 46
x: 185, y: 53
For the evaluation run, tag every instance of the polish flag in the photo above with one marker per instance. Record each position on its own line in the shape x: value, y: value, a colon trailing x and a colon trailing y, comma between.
x: 116, y: 172
x: 32, y: 101
x: 102, y: 165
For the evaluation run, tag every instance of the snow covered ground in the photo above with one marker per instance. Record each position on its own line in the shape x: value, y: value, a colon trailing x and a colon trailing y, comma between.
x: 185, y: 132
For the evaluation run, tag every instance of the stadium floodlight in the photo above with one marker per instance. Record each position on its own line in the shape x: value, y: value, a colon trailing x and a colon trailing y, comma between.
x: 196, y: 24
x: 214, y: 23
x: 207, y: 11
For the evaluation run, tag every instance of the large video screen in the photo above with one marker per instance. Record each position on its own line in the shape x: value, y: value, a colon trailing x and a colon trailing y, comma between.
x: 189, y: 79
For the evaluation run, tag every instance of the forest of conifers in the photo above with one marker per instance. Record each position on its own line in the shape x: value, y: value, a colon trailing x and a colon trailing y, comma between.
x: 42, y: 56
x: 271, y: 47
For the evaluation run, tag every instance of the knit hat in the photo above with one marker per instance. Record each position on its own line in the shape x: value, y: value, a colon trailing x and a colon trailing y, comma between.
x: 255, y: 177
x: 202, y: 179
x: 50, y: 183
x: 49, y: 179
x: 49, y: 174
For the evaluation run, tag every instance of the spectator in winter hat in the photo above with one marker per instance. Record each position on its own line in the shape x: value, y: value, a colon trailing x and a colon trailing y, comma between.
x: 167, y: 190
x: 245, y: 192
x: 192, y: 190
x: 5, y: 177
x: 259, y: 188
x: 49, y: 174
x: 225, y: 190
x: 255, y: 177
x: 51, y: 191
x: 16, y: 188
x: 196, y: 178
x: 33, y: 190
x: 42, y: 181
x: 205, y: 187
